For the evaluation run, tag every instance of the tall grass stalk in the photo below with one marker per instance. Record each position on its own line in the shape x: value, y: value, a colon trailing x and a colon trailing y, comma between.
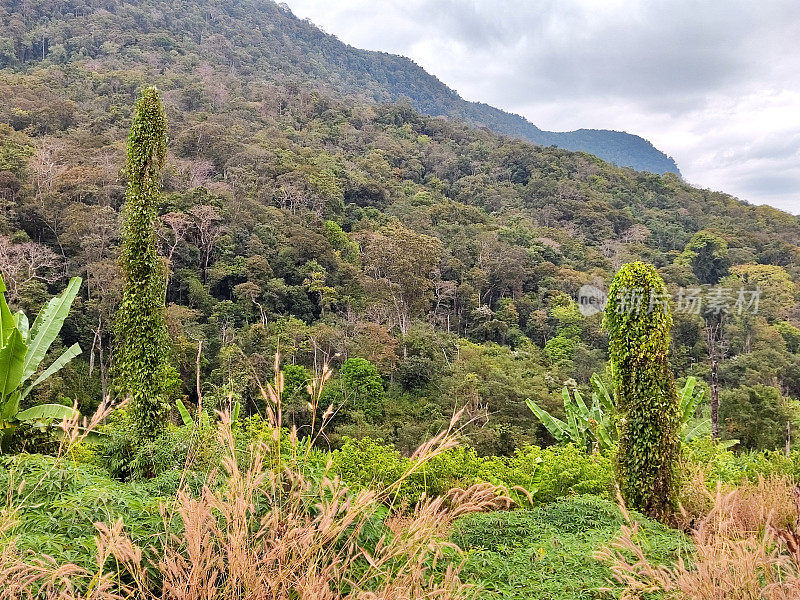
x: 739, y: 550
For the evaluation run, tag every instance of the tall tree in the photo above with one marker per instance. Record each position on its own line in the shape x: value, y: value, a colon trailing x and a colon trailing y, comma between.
x: 143, y: 369
x: 716, y: 347
x: 638, y: 320
x: 707, y: 255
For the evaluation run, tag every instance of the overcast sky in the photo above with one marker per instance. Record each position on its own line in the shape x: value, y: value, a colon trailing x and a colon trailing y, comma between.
x: 715, y: 84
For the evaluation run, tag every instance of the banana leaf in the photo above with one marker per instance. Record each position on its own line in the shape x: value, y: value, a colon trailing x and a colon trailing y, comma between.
x: 47, y: 412
x: 700, y: 429
x: 556, y: 427
x: 572, y: 424
x: 688, y: 399
x: 604, y: 396
x: 7, y: 323
x: 21, y: 321
x: 12, y: 360
x: 57, y: 365
x: 185, y: 416
x: 237, y: 407
x: 47, y: 325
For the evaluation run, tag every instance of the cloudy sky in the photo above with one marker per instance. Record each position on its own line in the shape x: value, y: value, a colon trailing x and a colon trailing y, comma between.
x: 713, y: 83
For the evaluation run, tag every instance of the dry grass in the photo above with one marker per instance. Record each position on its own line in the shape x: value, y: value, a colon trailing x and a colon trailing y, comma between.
x: 739, y: 550
x: 269, y: 532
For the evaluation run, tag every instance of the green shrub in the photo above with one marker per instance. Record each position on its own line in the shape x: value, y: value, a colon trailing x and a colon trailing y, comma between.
x: 60, y: 502
x: 126, y: 456
x: 561, y: 471
x: 368, y: 463
x: 546, y: 474
x: 362, y: 387
x: 548, y: 552
x: 721, y: 464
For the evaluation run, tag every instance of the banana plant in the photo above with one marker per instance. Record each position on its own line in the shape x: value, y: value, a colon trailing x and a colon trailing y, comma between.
x: 585, y: 426
x: 22, y: 350
x: 596, y: 426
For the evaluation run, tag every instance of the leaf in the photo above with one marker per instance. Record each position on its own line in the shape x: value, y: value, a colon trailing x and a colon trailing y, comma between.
x: 21, y: 321
x: 47, y: 412
x: 556, y: 427
x: 9, y: 408
x: 7, y: 324
x: 185, y: 416
x: 12, y: 362
x: 57, y: 365
x: 47, y: 325
x: 686, y: 397
x: 604, y: 438
x: 583, y: 416
x: 237, y: 407
x: 701, y: 429
x: 569, y: 408
x: 606, y: 398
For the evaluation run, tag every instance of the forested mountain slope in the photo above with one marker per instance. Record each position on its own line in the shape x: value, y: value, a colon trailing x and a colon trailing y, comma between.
x: 260, y: 40
x: 434, y: 265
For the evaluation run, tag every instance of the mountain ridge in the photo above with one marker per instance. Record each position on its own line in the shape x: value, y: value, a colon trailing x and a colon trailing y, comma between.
x: 267, y: 41
x: 618, y: 147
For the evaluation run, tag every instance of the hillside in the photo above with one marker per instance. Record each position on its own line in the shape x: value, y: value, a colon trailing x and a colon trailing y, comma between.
x: 261, y: 41
x: 297, y: 217
x: 263, y: 336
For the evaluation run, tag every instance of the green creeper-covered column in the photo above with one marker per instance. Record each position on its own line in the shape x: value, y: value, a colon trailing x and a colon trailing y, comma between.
x: 638, y: 320
x: 143, y: 372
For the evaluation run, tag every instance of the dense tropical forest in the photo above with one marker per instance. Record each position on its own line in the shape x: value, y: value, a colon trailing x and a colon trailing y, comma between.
x: 284, y: 302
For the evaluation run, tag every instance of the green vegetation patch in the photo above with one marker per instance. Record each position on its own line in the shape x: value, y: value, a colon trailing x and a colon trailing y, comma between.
x: 548, y: 553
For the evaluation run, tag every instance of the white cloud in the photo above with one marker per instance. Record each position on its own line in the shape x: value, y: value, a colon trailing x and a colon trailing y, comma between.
x: 714, y: 84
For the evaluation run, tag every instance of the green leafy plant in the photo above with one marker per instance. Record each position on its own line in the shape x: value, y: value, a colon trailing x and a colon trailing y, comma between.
x: 143, y: 371
x: 22, y: 350
x: 203, y: 417
x: 596, y: 426
x: 586, y: 426
x: 550, y: 551
x: 638, y: 320
x: 690, y: 398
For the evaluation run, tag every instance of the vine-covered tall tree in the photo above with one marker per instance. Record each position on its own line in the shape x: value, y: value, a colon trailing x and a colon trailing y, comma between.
x: 638, y: 320
x: 143, y: 370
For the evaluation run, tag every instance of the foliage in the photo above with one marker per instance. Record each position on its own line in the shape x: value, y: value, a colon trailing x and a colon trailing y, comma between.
x: 362, y: 387
x: 127, y: 457
x: 645, y: 389
x: 370, y: 464
x: 214, y: 541
x: 720, y: 464
x: 707, y: 255
x: 755, y: 415
x: 143, y: 371
x: 584, y: 427
x: 63, y: 500
x: 298, y: 207
x: 531, y: 474
x: 22, y: 350
x: 548, y: 552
